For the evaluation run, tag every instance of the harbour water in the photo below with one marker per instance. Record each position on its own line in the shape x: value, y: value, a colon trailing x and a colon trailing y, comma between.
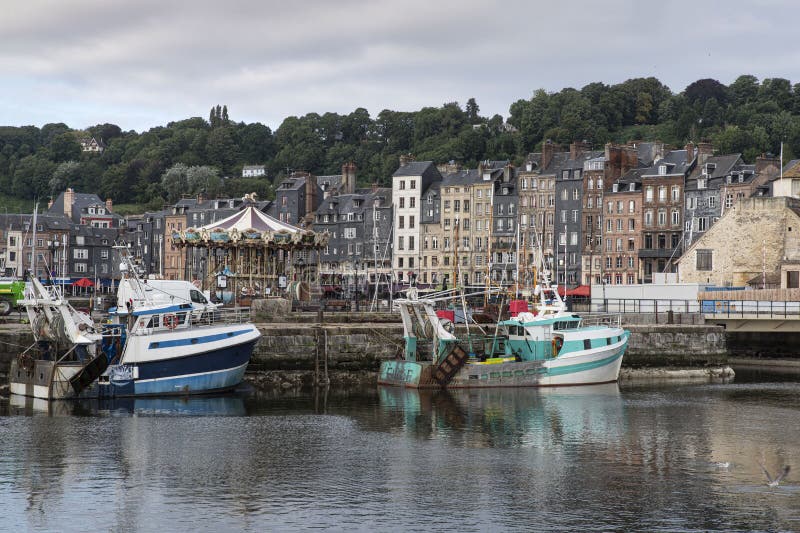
x: 669, y: 457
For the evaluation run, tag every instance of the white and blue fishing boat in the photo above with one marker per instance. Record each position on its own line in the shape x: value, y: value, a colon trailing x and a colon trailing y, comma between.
x: 151, y: 347
x: 547, y: 347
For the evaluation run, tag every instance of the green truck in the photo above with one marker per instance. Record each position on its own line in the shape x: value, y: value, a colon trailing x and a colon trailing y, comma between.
x: 11, y: 292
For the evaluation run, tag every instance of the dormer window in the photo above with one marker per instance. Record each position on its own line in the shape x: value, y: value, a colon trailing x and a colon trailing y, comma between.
x: 615, y: 187
x: 632, y: 187
x: 709, y: 168
x: 662, y: 170
x: 701, y: 183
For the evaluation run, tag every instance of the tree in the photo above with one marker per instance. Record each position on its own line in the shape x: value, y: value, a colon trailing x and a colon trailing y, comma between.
x: 224, y: 116
x: 64, y: 147
x: 472, y: 111
x: 174, y: 182
x: 705, y: 89
x: 65, y: 175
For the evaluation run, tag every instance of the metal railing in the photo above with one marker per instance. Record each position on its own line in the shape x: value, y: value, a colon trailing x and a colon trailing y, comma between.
x: 638, y: 305
x: 751, y: 309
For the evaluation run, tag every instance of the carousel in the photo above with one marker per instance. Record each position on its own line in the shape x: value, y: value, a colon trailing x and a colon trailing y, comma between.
x: 251, y: 254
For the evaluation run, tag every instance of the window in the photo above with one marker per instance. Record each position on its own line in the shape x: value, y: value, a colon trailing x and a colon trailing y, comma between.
x: 702, y: 223
x: 447, y: 205
x: 676, y: 217
x: 349, y: 233
x: 676, y: 193
x: 402, y: 184
x: 466, y: 206
x: 648, y: 218
x: 410, y: 247
x: 412, y: 202
x: 712, y: 202
x: 573, y: 238
x: 457, y: 206
x: 662, y: 218
x: 80, y: 253
x: 413, y: 184
x: 575, y: 194
x: 631, y: 206
x: 80, y: 267
x: 648, y: 194
x: 728, y: 201
x: 631, y: 224
x: 402, y: 202
x: 631, y: 247
x: 400, y: 244
x: 662, y: 194
x: 690, y: 202
x: 103, y: 254
x: 619, y: 224
x: 411, y: 221
x: 401, y: 222
x: 704, y: 260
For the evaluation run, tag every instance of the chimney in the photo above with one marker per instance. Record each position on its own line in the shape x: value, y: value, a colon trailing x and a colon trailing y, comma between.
x: 576, y: 148
x: 69, y: 199
x: 405, y: 159
x: 312, y: 201
x: 50, y: 203
x: 548, y: 148
x: 349, y: 178
x: 508, y: 172
x: 374, y: 187
x: 109, y: 205
x: 689, y: 151
x: 201, y: 197
x: 704, y: 151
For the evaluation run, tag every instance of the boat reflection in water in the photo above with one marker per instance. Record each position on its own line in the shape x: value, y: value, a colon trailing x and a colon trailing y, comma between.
x: 503, y: 417
x: 221, y: 405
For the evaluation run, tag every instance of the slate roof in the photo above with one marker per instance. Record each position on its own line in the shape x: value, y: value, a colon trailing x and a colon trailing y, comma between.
x: 676, y: 164
x: 461, y: 178
x: 414, y: 168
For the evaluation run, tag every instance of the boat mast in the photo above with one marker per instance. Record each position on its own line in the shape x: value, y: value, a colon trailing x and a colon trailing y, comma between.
x: 33, y: 244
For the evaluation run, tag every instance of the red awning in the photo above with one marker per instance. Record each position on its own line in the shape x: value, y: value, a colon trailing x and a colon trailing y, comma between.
x: 581, y: 290
x: 84, y: 282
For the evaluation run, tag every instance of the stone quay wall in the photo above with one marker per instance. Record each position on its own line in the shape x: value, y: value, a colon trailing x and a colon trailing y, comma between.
x: 359, y: 347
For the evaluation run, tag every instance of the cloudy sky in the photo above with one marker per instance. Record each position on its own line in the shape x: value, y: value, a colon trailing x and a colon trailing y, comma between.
x: 143, y: 63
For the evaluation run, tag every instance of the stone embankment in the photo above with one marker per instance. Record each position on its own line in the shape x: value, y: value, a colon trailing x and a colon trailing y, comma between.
x: 296, y: 350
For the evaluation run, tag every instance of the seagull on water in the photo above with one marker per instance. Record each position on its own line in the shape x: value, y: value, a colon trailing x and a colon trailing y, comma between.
x: 777, y: 480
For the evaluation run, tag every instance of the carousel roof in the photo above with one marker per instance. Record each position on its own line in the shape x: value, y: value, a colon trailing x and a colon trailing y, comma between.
x: 251, y: 218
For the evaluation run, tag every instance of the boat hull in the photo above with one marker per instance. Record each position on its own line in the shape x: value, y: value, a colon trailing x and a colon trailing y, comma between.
x: 593, y: 367
x: 202, y: 373
x: 46, y: 379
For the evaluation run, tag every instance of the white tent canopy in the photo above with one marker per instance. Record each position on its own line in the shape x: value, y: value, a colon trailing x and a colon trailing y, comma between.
x: 251, y: 218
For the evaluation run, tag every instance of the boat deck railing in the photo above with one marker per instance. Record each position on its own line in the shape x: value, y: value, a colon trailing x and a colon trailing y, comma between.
x: 233, y: 315
x: 601, y: 319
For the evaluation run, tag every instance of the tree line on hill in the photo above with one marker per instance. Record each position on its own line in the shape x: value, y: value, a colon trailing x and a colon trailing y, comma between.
x: 193, y: 155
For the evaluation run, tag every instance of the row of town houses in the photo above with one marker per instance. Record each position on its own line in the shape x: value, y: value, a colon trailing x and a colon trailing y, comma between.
x: 621, y: 215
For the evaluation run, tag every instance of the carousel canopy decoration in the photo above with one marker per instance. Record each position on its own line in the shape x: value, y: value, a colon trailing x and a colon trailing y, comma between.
x: 250, y: 227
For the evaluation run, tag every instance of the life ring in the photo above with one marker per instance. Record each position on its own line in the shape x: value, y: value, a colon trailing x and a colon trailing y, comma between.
x: 170, y: 321
x: 558, y: 342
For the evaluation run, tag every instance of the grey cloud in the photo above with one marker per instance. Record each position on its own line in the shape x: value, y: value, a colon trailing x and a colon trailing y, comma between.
x: 141, y: 64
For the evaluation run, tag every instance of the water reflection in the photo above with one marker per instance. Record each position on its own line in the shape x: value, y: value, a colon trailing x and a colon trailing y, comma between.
x: 510, y: 418
x: 579, y: 458
x: 222, y: 405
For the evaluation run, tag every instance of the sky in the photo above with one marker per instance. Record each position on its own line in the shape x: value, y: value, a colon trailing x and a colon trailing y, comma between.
x: 141, y: 64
